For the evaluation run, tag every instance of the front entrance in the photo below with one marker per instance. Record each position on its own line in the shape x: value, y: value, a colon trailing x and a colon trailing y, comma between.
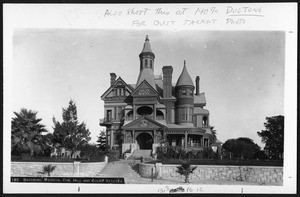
x: 145, y: 141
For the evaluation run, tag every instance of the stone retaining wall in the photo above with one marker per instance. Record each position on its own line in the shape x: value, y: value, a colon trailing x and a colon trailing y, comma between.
x: 31, y: 169
x: 260, y: 174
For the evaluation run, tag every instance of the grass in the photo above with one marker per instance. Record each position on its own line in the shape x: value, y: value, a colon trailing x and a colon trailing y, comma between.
x: 223, y: 162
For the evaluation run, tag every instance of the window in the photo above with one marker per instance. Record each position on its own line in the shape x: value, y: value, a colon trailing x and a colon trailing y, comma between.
x: 191, y: 114
x: 108, y: 115
x: 183, y: 114
x: 183, y: 92
x: 146, y: 63
x: 144, y: 110
x: 151, y: 63
x: 204, y: 121
x: 141, y: 64
x: 120, y: 113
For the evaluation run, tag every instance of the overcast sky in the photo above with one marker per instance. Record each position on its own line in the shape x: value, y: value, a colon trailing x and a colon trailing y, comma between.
x: 241, y: 72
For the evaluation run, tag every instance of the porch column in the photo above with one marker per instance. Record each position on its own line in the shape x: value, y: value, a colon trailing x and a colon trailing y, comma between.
x: 125, y: 136
x: 111, y: 138
x: 202, y: 141
x: 185, y: 139
x: 133, y: 137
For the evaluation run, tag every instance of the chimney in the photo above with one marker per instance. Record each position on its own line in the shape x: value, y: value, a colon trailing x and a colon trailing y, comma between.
x: 167, y: 81
x: 197, y: 85
x: 113, y: 77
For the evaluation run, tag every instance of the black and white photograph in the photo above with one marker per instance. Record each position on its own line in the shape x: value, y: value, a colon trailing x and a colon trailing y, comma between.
x: 168, y: 105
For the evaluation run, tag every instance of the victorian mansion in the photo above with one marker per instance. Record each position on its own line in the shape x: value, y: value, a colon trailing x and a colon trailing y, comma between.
x: 152, y: 111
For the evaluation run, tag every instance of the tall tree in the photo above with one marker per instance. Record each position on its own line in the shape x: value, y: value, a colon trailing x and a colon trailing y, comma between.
x: 70, y: 133
x: 243, y: 148
x: 273, y: 136
x: 26, y: 133
x: 230, y: 146
x: 102, y: 140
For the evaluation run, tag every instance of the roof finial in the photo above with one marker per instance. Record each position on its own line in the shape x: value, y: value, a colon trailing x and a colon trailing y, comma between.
x: 184, y: 63
x: 147, y: 39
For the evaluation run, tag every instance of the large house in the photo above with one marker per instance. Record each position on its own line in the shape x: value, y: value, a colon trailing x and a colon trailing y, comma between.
x: 154, y: 110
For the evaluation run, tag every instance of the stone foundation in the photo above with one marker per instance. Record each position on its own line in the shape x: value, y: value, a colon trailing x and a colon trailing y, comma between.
x: 31, y: 169
x: 260, y: 174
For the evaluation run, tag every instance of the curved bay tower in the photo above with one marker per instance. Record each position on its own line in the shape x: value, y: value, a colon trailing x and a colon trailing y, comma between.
x: 140, y: 117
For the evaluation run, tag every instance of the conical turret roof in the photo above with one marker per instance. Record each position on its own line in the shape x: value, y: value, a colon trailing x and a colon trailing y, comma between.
x: 184, y: 78
x: 147, y: 46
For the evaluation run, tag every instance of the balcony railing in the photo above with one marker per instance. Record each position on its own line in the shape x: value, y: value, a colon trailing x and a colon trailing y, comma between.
x: 136, y: 117
x: 106, y: 120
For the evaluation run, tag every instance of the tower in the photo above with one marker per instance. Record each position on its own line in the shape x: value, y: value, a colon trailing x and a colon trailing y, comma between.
x: 184, y: 91
x: 146, y: 64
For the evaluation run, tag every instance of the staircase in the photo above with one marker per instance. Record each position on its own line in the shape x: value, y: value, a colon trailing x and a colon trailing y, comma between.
x: 135, y: 168
x: 141, y: 153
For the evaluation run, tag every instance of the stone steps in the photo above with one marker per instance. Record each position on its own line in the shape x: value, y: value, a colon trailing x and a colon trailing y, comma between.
x: 141, y: 153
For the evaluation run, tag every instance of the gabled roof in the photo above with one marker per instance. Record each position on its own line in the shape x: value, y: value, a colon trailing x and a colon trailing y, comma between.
x: 184, y: 78
x: 145, y: 85
x: 143, y: 123
x: 111, y: 87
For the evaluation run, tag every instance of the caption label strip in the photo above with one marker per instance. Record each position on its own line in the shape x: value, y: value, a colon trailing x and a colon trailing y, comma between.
x: 93, y: 180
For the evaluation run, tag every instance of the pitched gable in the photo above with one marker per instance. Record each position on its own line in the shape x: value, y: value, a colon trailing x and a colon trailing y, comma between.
x: 144, y: 89
x: 110, y: 91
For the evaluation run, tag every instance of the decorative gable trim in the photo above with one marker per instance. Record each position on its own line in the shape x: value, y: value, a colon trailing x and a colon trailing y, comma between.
x: 144, y: 89
x: 118, y: 81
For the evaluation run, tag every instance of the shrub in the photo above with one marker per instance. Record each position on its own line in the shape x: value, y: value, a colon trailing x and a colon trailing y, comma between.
x: 185, y: 169
x: 48, y: 169
x: 113, y: 155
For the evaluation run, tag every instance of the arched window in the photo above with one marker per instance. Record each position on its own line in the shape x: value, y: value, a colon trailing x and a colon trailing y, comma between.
x: 159, y: 114
x: 129, y: 115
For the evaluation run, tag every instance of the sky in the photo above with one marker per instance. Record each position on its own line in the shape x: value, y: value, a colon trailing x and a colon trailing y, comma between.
x: 241, y: 72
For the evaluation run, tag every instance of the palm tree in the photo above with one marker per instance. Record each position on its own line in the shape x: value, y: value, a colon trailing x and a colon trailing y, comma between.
x: 48, y: 169
x: 213, y: 136
x: 26, y: 132
x: 185, y: 169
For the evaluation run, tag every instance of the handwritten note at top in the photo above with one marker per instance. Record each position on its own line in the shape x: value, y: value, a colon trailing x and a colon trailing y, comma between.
x: 196, y: 16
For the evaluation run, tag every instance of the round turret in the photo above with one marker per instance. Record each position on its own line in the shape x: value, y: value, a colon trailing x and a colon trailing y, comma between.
x: 184, y: 91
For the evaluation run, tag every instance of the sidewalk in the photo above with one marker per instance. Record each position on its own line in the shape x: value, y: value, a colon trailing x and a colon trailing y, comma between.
x: 122, y: 169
